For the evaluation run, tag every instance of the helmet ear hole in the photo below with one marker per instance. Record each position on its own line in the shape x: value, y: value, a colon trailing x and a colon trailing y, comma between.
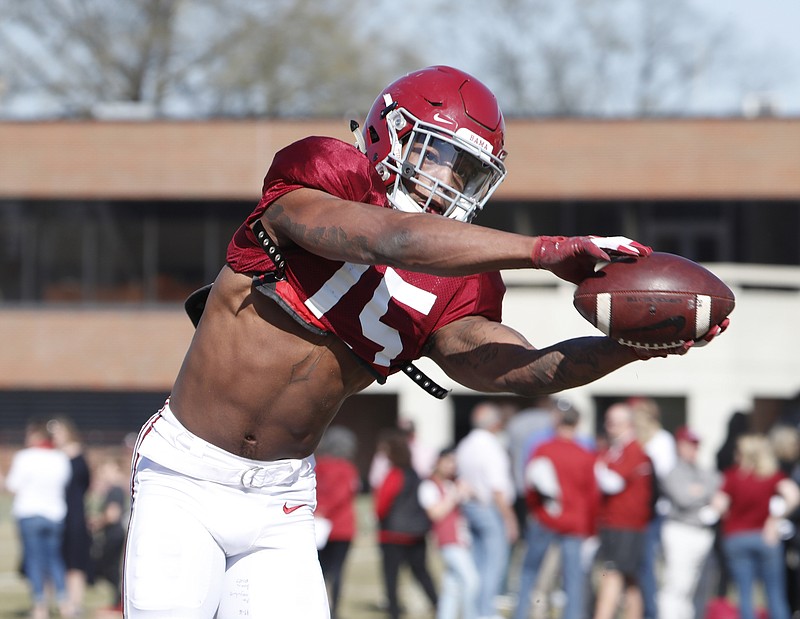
x: 374, y: 138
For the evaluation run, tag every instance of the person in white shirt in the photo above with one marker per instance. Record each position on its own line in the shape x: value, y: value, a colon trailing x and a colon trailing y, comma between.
x: 659, y: 445
x: 485, y: 466
x: 38, y: 477
x: 687, y: 533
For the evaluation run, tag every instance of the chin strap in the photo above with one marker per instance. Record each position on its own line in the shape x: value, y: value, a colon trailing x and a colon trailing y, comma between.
x: 272, y: 250
x: 424, y: 381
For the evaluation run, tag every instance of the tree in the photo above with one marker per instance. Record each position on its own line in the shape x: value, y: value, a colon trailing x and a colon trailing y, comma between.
x: 199, y: 58
x: 82, y: 52
x: 602, y: 57
x: 191, y: 57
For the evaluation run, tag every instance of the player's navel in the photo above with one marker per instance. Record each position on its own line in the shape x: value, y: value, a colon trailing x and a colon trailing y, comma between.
x: 249, y: 445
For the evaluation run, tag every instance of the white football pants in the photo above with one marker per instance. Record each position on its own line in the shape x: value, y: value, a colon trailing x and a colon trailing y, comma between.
x: 213, y: 535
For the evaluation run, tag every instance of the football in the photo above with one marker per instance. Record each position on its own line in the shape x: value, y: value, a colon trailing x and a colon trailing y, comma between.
x: 659, y: 301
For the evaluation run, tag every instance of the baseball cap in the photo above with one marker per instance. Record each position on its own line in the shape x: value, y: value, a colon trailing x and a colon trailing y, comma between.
x: 685, y: 434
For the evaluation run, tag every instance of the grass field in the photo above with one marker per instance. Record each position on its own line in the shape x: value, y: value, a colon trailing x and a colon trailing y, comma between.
x: 361, y: 591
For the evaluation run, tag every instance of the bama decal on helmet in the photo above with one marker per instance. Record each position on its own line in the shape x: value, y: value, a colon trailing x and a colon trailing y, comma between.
x: 473, y: 138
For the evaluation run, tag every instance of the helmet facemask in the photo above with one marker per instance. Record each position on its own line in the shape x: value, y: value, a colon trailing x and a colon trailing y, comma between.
x: 452, y: 174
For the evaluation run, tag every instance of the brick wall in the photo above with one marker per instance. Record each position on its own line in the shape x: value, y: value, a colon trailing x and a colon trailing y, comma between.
x: 92, y: 349
x: 587, y: 159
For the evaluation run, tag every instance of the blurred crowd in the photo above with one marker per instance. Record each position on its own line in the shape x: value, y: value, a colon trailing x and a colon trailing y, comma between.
x: 528, y: 516
x: 71, y: 516
x: 532, y: 518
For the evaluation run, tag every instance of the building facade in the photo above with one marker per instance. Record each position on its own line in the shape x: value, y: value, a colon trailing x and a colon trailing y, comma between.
x: 107, y: 226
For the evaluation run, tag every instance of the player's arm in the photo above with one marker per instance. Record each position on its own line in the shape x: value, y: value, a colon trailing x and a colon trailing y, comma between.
x: 491, y: 357
x: 365, y: 234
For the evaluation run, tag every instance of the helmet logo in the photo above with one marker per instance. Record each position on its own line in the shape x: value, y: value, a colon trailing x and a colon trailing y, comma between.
x: 473, y: 138
x: 439, y: 118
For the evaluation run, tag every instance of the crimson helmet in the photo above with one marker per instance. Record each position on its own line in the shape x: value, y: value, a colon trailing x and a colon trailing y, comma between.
x: 436, y: 138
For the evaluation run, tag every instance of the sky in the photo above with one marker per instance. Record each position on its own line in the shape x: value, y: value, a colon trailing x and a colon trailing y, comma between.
x: 762, y: 43
x: 771, y: 27
x: 767, y: 31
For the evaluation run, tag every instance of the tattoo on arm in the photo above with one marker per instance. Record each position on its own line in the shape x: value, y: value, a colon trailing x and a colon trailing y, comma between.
x: 511, y: 364
x: 324, y: 238
x: 583, y: 360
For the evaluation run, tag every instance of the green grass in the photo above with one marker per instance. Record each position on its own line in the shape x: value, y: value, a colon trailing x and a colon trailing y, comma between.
x: 14, y: 592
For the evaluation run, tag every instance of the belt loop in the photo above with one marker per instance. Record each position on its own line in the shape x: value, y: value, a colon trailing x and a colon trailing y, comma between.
x: 248, y: 478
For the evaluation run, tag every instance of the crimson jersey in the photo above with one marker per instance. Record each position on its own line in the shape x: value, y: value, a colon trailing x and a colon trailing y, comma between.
x: 631, y: 508
x: 750, y: 495
x: 384, y: 314
x: 580, y: 495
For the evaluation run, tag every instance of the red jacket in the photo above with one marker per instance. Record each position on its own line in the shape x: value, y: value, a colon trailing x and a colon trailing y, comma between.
x: 338, y: 483
x: 632, y: 508
x: 749, y: 495
x: 580, y: 495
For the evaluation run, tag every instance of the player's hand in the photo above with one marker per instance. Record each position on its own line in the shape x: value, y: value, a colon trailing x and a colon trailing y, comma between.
x: 621, y: 246
x: 652, y: 352
x: 713, y: 332
x: 573, y: 258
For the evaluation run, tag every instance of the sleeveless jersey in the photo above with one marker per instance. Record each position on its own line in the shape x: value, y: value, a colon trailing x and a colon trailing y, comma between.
x: 384, y: 315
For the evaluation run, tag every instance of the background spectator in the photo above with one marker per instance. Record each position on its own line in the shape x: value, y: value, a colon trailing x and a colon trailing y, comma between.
x: 441, y: 496
x: 624, y: 474
x: 485, y: 466
x: 422, y: 456
x: 534, y: 423
x: 563, y: 499
x: 785, y: 441
x: 77, y: 544
x: 738, y: 425
x: 754, y: 497
x: 686, y: 534
x: 338, y: 483
x: 109, y: 525
x: 659, y: 445
x: 403, y: 523
x: 38, y: 477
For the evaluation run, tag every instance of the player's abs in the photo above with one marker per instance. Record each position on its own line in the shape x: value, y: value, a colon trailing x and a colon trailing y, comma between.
x: 256, y: 383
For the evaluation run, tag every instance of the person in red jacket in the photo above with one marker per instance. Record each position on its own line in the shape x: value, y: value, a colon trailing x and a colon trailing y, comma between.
x: 338, y: 483
x: 403, y: 523
x: 562, y: 499
x: 754, y: 498
x: 625, y: 476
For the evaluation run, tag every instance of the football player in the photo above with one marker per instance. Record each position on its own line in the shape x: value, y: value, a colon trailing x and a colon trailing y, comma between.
x: 358, y: 260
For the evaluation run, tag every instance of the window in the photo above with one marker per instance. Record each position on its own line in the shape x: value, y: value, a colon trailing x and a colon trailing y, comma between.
x: 160, y: 251
x: 112, y: 252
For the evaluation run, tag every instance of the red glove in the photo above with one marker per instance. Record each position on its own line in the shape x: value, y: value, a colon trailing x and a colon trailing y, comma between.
x: 573, y: 258
x: 714, y: 332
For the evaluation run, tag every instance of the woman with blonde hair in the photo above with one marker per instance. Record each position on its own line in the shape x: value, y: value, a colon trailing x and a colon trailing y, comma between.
x: 754, y: 498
